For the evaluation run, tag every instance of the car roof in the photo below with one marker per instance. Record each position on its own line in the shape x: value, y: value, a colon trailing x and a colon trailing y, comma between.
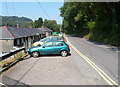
x: 54, y: 36
x: 51, y: 36
x: 55, y: 41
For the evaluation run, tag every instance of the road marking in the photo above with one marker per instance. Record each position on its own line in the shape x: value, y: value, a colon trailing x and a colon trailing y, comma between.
x: 2, y: 84
x: 100, y: 71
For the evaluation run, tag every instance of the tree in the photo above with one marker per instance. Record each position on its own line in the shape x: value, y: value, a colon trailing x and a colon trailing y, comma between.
x: 38, y: 23
x: 14, y: 20
x: 52, y: 24
x: 97, y: 21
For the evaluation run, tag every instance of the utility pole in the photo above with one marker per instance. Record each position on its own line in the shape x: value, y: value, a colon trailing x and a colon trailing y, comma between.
x: 61, y: 25
x: 60, y: 28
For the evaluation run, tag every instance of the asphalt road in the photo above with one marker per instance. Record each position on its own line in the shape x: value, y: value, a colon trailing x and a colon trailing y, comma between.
x: 105, y: 56
x: 71, y: 70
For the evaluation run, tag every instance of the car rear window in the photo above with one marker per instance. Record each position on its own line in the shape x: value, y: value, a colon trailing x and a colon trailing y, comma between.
x: 65, y: 43
x: 56, y: 38
x: 59, y: 38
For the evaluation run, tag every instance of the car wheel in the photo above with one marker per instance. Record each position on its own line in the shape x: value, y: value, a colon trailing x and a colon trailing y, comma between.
x: 35, y: 54
x: 64, y: 53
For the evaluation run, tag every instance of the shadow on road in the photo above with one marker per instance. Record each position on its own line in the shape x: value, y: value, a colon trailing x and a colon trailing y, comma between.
x: 27, y: 57
x: 110, y: 47
x: 50, y: 55
x: 9, y: 82
x: 53, y: 55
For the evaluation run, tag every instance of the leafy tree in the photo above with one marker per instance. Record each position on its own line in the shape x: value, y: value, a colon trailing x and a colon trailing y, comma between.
x: 38, y: 23
x: 52, y: 24
x: 97, y: 21
x: 14, y: 20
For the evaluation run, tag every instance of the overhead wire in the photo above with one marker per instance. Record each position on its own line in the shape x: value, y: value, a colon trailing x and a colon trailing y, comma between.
x: 43, y: 9
x: 39, y: 10
x: 14, y: 10
x: 13, y: 6
x: 6, y: 8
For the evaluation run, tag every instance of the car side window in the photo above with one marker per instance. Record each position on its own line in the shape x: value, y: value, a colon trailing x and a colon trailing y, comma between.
x: 49, y: 44
x: 59, y: 38
x: 54, y: 38
x: 58, y: 44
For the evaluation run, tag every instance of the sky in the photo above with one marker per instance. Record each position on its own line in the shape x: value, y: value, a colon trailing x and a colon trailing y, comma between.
x: 33, y: 10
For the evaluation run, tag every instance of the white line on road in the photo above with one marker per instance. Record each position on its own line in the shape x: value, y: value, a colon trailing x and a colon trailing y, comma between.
x: 100, y: 71
x: 2, y: 84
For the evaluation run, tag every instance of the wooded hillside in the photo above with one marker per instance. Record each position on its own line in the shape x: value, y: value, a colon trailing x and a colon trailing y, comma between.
x: 98, y: 21
x: 14, y: 20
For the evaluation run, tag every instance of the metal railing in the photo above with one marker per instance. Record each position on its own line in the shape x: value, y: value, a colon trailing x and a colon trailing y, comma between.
x: 11, y: 54
x: 10, y: 59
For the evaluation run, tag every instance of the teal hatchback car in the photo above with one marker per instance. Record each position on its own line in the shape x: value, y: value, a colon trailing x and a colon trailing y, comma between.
x: 50, y: 47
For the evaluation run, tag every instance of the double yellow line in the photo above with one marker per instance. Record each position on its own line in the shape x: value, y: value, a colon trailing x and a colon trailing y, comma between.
x: 100, y: 71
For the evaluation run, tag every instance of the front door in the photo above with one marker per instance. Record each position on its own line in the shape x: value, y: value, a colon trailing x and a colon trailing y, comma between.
x: 48, y: 48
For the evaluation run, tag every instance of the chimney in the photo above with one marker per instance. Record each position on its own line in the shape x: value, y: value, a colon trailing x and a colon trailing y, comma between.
x: 6, y: 25
x: 18, y: 26
x: 30, y: 26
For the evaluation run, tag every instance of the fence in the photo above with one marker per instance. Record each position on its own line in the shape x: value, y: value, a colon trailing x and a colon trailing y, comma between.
x: 11, y: 58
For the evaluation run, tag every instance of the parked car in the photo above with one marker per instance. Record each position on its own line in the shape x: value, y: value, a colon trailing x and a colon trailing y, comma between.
x: 61, y: 34
x: 55, y: 34
x: 50, y: 38
x: 50, y: 47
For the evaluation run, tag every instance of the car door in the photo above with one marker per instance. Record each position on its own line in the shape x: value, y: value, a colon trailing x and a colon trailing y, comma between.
x: 57, y: 47
x: 47, y: 48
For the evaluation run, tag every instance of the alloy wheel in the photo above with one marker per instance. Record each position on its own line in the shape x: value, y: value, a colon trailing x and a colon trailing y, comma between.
x: 35, y: 54
x: 64, y: 53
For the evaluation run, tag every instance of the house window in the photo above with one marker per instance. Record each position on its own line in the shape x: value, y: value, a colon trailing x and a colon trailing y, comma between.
x: 15, y: 42
x: 18, y: 41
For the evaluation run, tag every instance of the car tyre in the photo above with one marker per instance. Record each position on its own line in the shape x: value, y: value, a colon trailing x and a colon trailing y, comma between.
x: 35, y: 54
x: 64, y: 53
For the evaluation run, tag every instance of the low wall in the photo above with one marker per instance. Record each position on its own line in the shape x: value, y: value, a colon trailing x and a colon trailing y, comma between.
x: 6, y: 45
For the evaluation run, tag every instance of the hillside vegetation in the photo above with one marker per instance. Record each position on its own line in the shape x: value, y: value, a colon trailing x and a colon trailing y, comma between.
x: 97, y: 21
x: 27, y: 22
x: 51, y: 24
x: 14, y: 20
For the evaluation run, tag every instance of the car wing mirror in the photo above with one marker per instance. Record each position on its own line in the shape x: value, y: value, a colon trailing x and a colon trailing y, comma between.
x: 43, y: 46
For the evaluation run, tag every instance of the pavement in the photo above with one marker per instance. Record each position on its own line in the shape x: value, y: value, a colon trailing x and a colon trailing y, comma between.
x: 70, y: 70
